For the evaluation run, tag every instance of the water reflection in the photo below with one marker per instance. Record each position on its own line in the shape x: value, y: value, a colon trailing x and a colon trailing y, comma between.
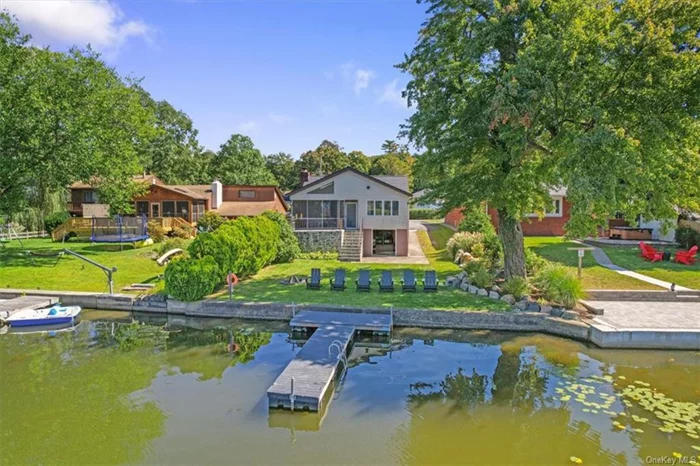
x: 157, y: 389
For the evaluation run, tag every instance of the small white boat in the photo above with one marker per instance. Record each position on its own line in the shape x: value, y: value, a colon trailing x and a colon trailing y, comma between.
x: 55, y: 315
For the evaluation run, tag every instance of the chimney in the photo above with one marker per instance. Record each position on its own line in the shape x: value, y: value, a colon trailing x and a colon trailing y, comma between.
x: 303, y: 176
x: 216, y: 194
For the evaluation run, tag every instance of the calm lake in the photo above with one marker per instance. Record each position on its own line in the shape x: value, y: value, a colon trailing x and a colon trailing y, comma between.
x: 123, y: 389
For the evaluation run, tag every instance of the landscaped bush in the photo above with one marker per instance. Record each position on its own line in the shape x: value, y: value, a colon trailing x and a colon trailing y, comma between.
x: 493, y: 249
x: 481, y: 277
x: 192, y: 279
x: 325, y: 256
x: 425, y: 214
x: 534, y: 262
x: 210, y: 221
x: 476, y: 220
x: 242, y: 246
x: 687, y: 237
x: 288, y: 247
x: 55, y: 220
x: 464, y: 241
x: 170, y: 243
x: 517, y: 286
x: 184, y: 232
x: 156, y: 231
x: 557, y: 284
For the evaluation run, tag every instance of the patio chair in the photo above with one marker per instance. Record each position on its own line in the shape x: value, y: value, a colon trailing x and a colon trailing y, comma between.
x: 386, y: 283
x: 363, y: 282
x: 686, y: 257
x: 649, y: 253
x: 430, y: 282
x: 338, y: 283
x: 408, y: 284
x: 314, y: 282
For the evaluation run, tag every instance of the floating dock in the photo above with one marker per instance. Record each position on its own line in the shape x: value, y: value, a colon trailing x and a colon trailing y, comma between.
x: 11, y: 306
x: 304, y: 383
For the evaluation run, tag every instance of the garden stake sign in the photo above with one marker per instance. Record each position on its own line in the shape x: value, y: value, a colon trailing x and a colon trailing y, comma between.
x: 581, y: 252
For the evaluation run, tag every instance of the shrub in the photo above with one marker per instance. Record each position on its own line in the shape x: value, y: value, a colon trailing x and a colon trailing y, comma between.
x: 170, y: 243
x: 476, y: 220
x: 481, y: 277
x: 210, y: 221
x: 184, y: 232
x: 192, y: 279
x: 425, y: 214
x: 687, y: 237
x: 534, y: 262
x: 517, y: 286
x: 493, y: 248
x: 55, y: 220
x: 288, y: 247
x: 242, y: 246
x: 319, y: 255
x: 464, y: 241
x: 557, y: 284
x: 156, y: 231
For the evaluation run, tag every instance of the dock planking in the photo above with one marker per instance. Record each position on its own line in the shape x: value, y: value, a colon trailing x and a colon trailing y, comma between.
x: 11, y: 306
x: 315, y: 366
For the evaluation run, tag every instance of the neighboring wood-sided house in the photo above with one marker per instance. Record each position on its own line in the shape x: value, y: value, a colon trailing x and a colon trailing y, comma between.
x: 188, y: 202
x: 373, y: 209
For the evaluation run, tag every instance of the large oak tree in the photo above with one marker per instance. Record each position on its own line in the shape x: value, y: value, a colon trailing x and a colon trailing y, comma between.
x: 600, y: 96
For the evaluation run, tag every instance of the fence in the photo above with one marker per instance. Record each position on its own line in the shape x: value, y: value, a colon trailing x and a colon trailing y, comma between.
x: 318, y: 223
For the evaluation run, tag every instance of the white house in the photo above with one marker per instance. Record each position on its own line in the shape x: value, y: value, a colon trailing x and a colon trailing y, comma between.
x: 372, y: 211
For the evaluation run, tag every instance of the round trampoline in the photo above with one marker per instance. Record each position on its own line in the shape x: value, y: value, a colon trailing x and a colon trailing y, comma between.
x: 119, y: 229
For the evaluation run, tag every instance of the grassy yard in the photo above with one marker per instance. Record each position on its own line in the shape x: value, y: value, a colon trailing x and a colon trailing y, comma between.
x: 595, y: 277
x: 72, y: 274
x: 684, y: 275
x: 265, y: 286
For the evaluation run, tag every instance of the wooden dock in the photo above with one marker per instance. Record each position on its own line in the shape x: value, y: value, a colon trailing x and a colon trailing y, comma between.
x: 11, y: 306
x: 305, y: 382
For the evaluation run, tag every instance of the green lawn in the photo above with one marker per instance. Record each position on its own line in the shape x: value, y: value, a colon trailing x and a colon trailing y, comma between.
x: 265, y: 285
x: 684, y: 275
x: 72, y: 274
x: 595, y: 277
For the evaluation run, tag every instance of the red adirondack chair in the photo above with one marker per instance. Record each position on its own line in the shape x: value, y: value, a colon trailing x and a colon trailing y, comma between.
x: 649, y: 253
x: 687, y: 257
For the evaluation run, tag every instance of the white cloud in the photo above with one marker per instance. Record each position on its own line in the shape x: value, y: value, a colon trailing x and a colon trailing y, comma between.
x: 101, y: 24
x: 354, y: 76
x: 279, y: 118
x: 247, y: 127
x: 391, y: 94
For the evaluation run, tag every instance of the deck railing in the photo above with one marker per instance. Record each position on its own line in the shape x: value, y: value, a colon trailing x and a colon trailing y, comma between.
x: 317, y: 223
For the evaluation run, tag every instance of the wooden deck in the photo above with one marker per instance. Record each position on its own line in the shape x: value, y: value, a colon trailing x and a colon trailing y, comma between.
x: 305, y: 382
x: 21, y: 303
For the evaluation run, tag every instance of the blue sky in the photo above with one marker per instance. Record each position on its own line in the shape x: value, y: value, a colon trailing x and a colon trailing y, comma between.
x: 287, y: 73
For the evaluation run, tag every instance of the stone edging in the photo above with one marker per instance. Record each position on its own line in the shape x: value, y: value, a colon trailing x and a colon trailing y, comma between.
x: 426, y: 318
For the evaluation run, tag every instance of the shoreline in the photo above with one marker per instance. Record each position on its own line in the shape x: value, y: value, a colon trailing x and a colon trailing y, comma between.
x: 602, y: 336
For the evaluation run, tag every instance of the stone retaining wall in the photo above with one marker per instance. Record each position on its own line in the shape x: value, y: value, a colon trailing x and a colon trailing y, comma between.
x: 642, y: 295
x: 319, y: 240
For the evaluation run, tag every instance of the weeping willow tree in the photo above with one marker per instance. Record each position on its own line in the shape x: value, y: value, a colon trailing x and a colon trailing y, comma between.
x: 39, y: 203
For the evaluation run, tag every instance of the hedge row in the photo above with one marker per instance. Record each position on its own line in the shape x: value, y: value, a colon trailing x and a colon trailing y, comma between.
x: 425, y: 214
x: 242, y: 246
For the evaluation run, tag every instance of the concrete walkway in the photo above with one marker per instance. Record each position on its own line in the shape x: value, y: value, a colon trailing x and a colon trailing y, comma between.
x: 603, y: 260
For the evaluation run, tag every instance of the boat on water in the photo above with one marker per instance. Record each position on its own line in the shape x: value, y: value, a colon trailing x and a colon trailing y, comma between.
x: 54, y: 315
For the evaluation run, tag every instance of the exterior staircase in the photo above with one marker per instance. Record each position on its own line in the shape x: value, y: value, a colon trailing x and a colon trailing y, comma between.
x: 351, y: 247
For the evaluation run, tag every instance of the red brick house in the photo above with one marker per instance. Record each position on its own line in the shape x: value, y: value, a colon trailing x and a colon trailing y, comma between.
x: 189, y: 202
x: 552, y: 224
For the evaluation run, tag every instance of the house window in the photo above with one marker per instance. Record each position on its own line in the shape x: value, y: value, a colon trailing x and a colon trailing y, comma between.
x: 182, y: 207
x: 395, y: 208
x: 300, y: 209
x: 370, y: 207
x: 556, y: 211
x: 142, y: 208
x: 168, y: 208
x: 378, y: 208
x: 197, y: 210
x: 89, y: 196
x: 325, y: 189
x: 246, y: 194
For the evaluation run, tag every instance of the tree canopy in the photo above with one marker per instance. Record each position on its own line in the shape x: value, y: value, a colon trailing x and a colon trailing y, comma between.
x: 329, y: 157
x: 515, y: 97
x: 64, y: 117
x: 238, y: 161
x: 283, y: 168
x: 396, y: 161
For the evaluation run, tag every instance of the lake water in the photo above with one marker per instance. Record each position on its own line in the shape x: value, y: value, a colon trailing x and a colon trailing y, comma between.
x: 123, y: 389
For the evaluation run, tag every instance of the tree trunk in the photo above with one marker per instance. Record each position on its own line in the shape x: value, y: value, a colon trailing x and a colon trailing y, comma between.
x: 511, y: 234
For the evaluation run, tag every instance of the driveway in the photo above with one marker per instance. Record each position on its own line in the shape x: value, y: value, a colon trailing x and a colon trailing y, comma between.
x: 417, y: 225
